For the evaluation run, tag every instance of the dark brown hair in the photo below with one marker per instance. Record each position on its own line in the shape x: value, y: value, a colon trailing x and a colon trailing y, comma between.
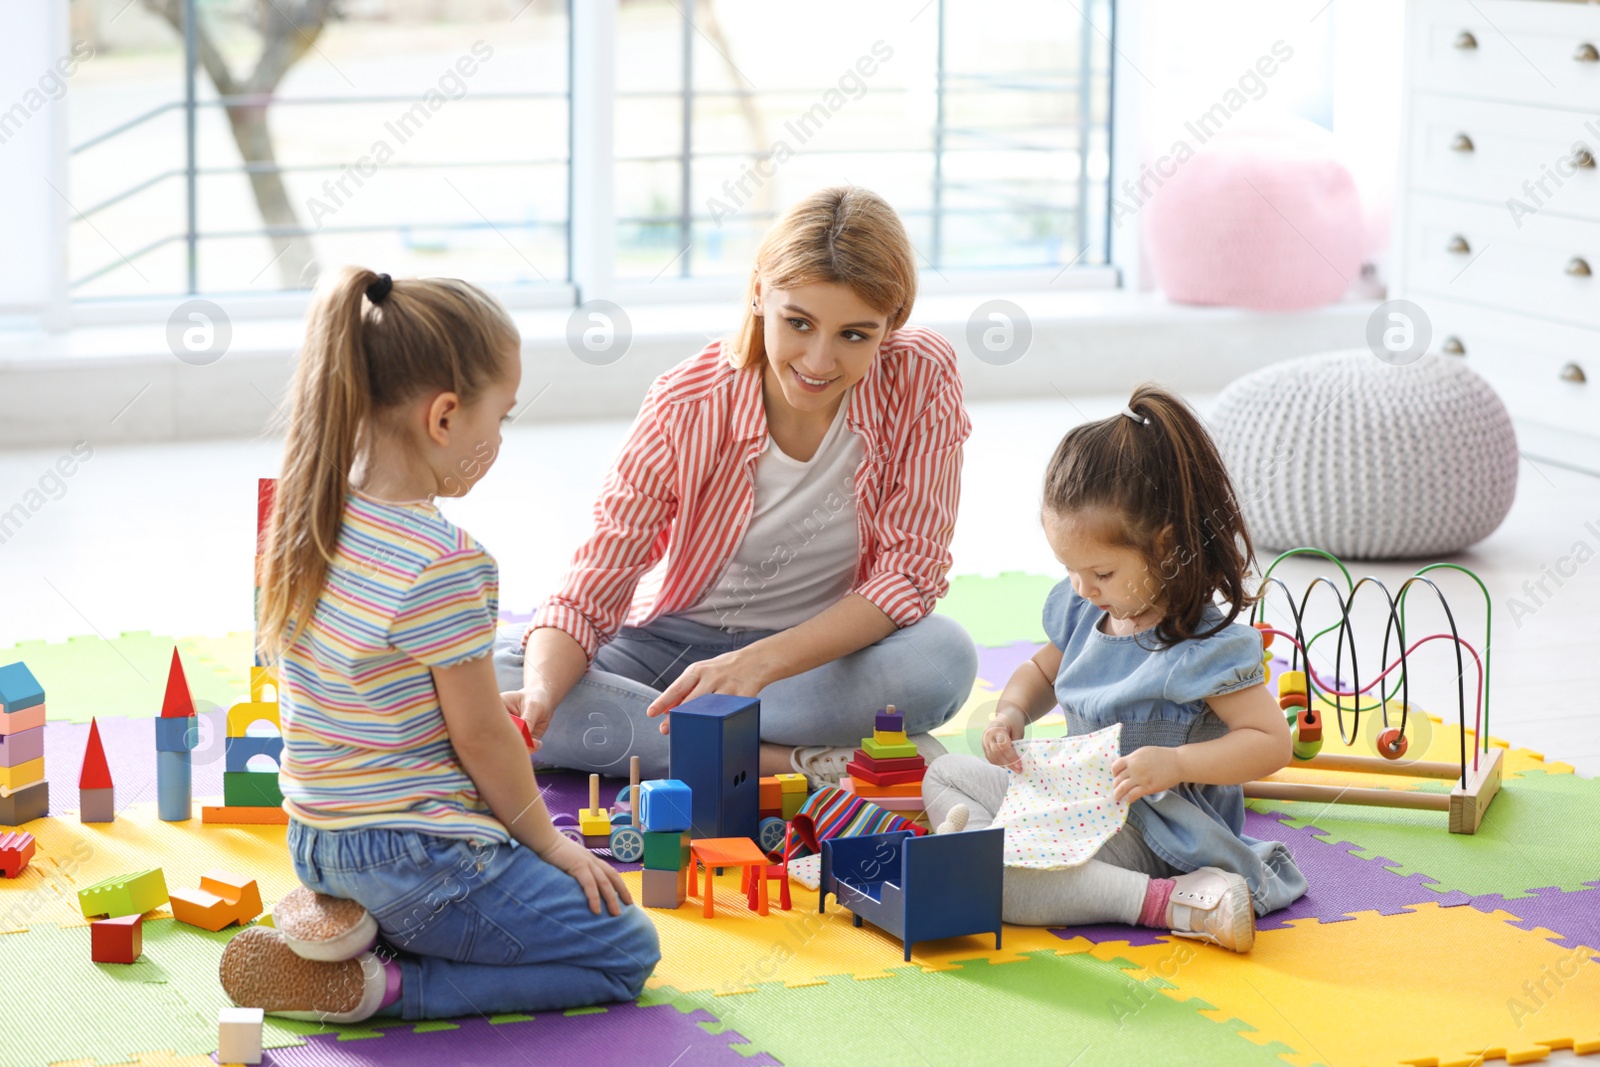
x: 360, y: 360
x: 1159, y: 487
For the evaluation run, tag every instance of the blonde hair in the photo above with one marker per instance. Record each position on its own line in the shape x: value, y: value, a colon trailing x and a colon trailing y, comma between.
x: 360, y: 360
x: 841, y: 234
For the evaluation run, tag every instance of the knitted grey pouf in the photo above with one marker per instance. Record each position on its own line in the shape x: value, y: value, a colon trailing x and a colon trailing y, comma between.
x: 1368, y: 460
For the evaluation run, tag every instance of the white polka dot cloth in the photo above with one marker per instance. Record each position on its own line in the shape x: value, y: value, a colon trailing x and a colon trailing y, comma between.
x: 1058, y: 809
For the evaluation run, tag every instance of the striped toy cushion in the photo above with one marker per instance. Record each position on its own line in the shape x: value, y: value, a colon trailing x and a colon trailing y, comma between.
x: 831, y: 812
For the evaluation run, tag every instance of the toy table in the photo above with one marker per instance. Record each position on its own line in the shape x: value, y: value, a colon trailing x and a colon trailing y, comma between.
x: 741, y: 852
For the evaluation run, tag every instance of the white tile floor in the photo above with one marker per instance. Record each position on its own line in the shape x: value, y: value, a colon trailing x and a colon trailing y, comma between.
x: 160, y: 538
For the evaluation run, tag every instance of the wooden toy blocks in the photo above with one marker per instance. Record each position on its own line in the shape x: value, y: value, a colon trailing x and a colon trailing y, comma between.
x: 119, y: 940
x: 594, y: 821
x: 665, y: 806
x: 222, y: 899
x: 124, y: 894
x: 239, y: 1035
x: 16, y: 849
x: 15, y: 779
x: 247, y: 789
x: 19, y: 689
x: 771, y: 794
x: 21, y: 746
x: 174, y: 772
x: 666, y: 850
x: 904, y: 750
x: 664, y: 889
x: 97, y: 800
x: 25, y: 805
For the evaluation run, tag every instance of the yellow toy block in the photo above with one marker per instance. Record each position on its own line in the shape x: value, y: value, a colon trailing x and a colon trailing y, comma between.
x: 21, y: 776
x: 594, y: 823
x: 791, y: 783
x: 124, y: 894
x: 792, y: 803
x: 1291, y: 682
x: 241, y: 715
x: 260, y: 678
x: 889, y: 737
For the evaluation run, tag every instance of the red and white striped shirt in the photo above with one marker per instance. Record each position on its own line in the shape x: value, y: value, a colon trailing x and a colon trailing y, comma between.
x: 682, y: 488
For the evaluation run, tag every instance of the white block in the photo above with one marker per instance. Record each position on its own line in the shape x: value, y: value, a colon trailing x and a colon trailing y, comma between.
x: 239, y: 1035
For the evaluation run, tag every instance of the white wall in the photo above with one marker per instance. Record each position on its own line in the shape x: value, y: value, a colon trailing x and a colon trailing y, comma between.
x: 35, y: 62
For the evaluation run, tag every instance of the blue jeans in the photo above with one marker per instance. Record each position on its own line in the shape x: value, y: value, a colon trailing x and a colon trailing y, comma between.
x: 478, y: 928
x: 926, y: 670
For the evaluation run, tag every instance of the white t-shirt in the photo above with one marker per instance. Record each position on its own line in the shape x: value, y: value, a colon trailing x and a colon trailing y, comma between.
x: 799, y: 553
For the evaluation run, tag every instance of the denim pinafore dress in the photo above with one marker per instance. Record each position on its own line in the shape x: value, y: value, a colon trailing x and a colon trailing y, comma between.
x: 1158, y: 695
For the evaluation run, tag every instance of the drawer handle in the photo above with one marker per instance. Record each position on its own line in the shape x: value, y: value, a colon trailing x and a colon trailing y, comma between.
x: 1573, y: 373
x: 1458, y: 246
x: 1587, y: 53
x: 1453, y: 347
x: 1465, y: 40
x: 1578, y: 267
x: 1462, y: 143
x: 1583, y: 158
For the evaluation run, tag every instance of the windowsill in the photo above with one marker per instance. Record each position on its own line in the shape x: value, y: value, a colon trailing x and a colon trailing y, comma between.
x: 122, y: 382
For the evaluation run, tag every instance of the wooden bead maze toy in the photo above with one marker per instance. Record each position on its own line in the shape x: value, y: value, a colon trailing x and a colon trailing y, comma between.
x: 1307, y: 698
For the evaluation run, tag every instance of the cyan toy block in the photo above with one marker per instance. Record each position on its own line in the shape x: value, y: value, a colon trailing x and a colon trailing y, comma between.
x: 15, y: 779
x: 665, y: 806
x: 889, y: 721
x: 177, y: 733
x: 241, y: 750
x: 714, y: 748
x: 666, y: 851
x: 174, y: 786
x: 19, y: 689
x: 124, y: 894
x: 21, y: 747
x: 256, y: 789
x: 871, y: 747
x: 25, y: 805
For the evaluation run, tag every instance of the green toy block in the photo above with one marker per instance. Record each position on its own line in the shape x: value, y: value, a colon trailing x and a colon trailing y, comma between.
x: 251, y: 789
x: 124, y: 894
x: 871, y: 747
x: 666, y: 850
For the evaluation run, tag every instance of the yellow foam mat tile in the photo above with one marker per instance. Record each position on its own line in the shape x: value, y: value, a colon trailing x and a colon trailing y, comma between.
x: 1430, y: 986
x: 72, y: 855
x: 737, y: 949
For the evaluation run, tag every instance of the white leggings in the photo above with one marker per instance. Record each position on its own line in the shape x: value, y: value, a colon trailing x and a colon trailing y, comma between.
x: 1108, y: 888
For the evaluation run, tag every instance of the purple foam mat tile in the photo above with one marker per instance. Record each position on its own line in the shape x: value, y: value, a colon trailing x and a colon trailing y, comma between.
x: 995, y: 665
x: 623, y: 1034
x: 1574, y: 916
x: 130, y: 746
x: 1339, y: 883
x: 1135, y: 936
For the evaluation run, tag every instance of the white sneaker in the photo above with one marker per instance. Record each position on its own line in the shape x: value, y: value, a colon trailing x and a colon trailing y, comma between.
x: 823, y: 765
x: 1213, y: 905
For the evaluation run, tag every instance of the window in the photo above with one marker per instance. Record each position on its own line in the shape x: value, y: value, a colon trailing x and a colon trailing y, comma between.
x: 422, y: 137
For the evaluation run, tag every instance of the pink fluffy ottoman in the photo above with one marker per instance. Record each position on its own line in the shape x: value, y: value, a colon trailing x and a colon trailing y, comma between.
x: 1261, y: 222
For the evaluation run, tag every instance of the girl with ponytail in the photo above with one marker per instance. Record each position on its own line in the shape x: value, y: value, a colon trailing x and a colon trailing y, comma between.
x: 433, y: 883
x: 1140, y: 511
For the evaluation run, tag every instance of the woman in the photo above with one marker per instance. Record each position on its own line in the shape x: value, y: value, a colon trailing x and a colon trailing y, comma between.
x: 791, y: 493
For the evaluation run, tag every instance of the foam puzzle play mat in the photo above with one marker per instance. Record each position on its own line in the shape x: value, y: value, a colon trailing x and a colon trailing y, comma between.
x: 1453, y: 915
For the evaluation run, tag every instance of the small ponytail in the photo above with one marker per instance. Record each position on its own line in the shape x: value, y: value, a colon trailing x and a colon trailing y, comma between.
x: 1155, y: 477
x: 372, y: 343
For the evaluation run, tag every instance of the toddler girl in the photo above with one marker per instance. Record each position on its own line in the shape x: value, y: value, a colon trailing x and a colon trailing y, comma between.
x: 1140, y: 511
x: 414, y: 814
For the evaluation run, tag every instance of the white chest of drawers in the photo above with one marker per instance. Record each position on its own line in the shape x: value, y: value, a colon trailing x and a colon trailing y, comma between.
x: 1497, y: 219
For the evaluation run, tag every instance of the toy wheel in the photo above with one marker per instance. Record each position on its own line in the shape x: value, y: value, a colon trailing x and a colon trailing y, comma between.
x: 622, y: 818
x: 571, y: 833
x: 769, y: 835
x: 1392, y: 744
x: 624, y: 798
x: 627, y: 844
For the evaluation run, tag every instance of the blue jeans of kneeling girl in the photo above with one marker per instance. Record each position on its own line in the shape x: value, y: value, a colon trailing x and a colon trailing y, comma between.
x: 478, y: 928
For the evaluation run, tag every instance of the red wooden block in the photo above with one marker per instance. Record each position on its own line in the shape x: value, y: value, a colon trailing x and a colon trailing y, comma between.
x: 118, y: 940
x: 16, y: 849
x: 899, y: 763
x: 96, y: 773
x: 877, y: 777
x: 177, y: 701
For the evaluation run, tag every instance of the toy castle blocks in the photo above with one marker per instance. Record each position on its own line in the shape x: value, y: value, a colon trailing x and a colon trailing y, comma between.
x: 24, y: 793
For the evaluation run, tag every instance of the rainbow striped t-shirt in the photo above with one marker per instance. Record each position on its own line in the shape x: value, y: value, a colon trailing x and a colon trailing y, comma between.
x: 364, y: 738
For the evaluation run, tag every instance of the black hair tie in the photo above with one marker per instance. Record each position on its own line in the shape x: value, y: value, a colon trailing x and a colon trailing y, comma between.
x: 378, y: 290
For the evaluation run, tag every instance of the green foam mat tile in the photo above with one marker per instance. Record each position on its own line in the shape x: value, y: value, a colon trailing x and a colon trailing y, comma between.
x: 1044, y: 1008
x: 59, y: 1005
x: 998, y: 611
x: 123, y: 676
x: 1541, y: 830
